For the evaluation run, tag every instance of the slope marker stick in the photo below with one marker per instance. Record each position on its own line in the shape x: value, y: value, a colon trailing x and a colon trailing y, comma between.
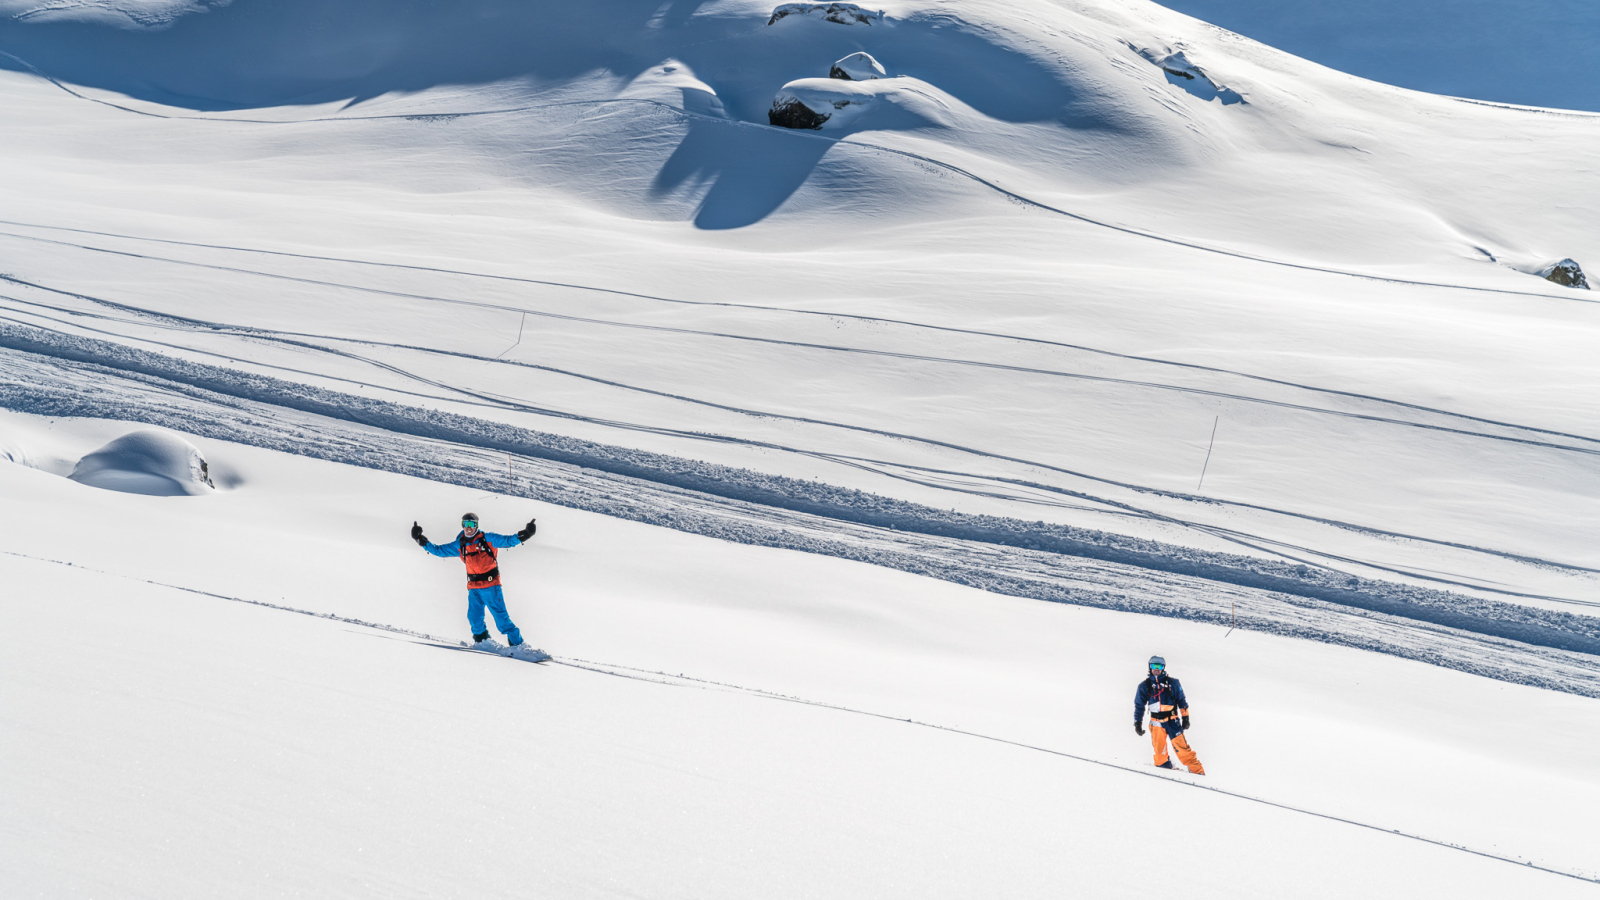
x: 521, y: 323
x: 1208, y: 454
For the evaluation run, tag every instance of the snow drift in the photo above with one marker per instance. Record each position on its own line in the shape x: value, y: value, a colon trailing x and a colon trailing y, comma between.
x: 146, y: 462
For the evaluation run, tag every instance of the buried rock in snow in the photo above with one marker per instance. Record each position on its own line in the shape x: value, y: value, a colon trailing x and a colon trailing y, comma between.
x: 858, y: 67
x: 842, y: 13
x: 815, y: 102
x: 1565, y: 273
x: 146, y: 462
x: 790, y: 112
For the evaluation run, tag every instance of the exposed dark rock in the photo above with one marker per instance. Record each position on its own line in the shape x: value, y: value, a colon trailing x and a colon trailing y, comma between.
x: 842, y: 13
x: 1567, y: 274
x: 1185, y: 74
x: 858, y: 67
x: 789, y: 112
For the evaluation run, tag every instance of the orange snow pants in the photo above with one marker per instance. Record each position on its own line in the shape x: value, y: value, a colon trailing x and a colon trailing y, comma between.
x: 1186, y: 755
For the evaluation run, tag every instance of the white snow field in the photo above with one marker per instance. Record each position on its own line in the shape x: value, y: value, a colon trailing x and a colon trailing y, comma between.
x: 871, y: 460
x: 721, y: 721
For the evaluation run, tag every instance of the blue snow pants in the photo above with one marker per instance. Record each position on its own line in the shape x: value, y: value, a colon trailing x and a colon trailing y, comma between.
x: 477, y: 599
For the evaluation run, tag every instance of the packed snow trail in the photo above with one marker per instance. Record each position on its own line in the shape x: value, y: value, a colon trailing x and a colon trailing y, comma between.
x: 81, y: 377
x: 689, y: 681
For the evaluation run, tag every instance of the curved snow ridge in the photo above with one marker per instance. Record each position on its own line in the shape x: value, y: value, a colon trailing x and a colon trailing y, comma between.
x: 718, y: 116
x: 1551, y: 649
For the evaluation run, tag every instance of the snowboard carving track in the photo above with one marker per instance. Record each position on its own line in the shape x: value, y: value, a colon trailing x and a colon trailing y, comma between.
x: 687, y: 681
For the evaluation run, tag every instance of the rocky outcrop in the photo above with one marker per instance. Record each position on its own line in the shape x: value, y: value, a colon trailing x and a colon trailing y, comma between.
x: 790, y: 112
x: 858, y: 67
x: 1194, y: 79
x: 1566, y: 273
x: 842, y: 13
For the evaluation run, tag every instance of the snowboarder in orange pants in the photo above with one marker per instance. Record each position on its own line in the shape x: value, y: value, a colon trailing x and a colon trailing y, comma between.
x: 1163, y: 696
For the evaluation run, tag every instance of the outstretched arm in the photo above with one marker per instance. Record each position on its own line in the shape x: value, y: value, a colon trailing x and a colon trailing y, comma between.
x: 451, y: 549
x: 511, y: 540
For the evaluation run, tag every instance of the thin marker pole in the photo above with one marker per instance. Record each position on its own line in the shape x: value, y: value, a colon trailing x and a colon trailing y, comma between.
x: 1208, y: 454
x: 521, y: 323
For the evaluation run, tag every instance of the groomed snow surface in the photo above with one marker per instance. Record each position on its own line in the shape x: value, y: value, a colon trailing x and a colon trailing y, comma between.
x: 871, y: 461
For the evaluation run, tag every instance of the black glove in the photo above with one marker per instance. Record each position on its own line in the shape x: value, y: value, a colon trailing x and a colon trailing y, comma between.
x: 416, y: 535
x: 528, y: 530
x: 1185, y: 723
x: 1138, y: 727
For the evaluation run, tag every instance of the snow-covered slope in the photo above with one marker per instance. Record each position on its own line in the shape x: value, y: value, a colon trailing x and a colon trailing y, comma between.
x: 1092, y: 302
x: 721, y: 721
x: 1061, y: 265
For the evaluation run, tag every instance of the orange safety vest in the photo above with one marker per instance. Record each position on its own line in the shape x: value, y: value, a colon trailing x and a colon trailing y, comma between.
x: 483, y: 568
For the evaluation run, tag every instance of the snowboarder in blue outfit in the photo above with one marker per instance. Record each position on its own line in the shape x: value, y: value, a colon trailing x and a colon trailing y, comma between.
x: 480, y: 551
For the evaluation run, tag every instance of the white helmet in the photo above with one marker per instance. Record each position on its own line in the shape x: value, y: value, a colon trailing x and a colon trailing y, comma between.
x: 1157, y: 662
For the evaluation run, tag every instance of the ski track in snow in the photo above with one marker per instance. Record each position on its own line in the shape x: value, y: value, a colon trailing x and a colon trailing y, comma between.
x: 53, y: 374
x: 831, y: 348
x: 970, y: 483
x: 975, y: 484
x: 681, y: 680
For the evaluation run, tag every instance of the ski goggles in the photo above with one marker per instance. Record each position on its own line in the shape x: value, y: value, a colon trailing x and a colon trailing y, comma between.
x: 468, y: 523
x: 1158, y: 667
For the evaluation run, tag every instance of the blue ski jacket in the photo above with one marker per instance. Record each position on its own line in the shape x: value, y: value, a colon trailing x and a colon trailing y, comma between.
x: 453, y: 548
x: 1162, y: 696
x: 480, y: 554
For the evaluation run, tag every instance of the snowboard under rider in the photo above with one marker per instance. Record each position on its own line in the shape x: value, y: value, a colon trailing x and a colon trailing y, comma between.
x: 1162, y: 695
x: 480, y: 551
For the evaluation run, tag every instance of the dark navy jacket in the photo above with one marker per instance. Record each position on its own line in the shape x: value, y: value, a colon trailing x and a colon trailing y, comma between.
x: 1160, y: 694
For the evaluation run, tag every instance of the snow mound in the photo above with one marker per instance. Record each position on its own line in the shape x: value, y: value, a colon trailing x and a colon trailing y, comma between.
x: 842, y: 13
x: 819, y: 102
x: 858, y: 67
x: 900, y: 103
x: 1566, y: 273
x: 675, y: 84
x: 146, y: 462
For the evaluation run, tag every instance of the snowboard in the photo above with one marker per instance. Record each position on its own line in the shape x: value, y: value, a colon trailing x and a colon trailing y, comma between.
x: 521, y: 651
